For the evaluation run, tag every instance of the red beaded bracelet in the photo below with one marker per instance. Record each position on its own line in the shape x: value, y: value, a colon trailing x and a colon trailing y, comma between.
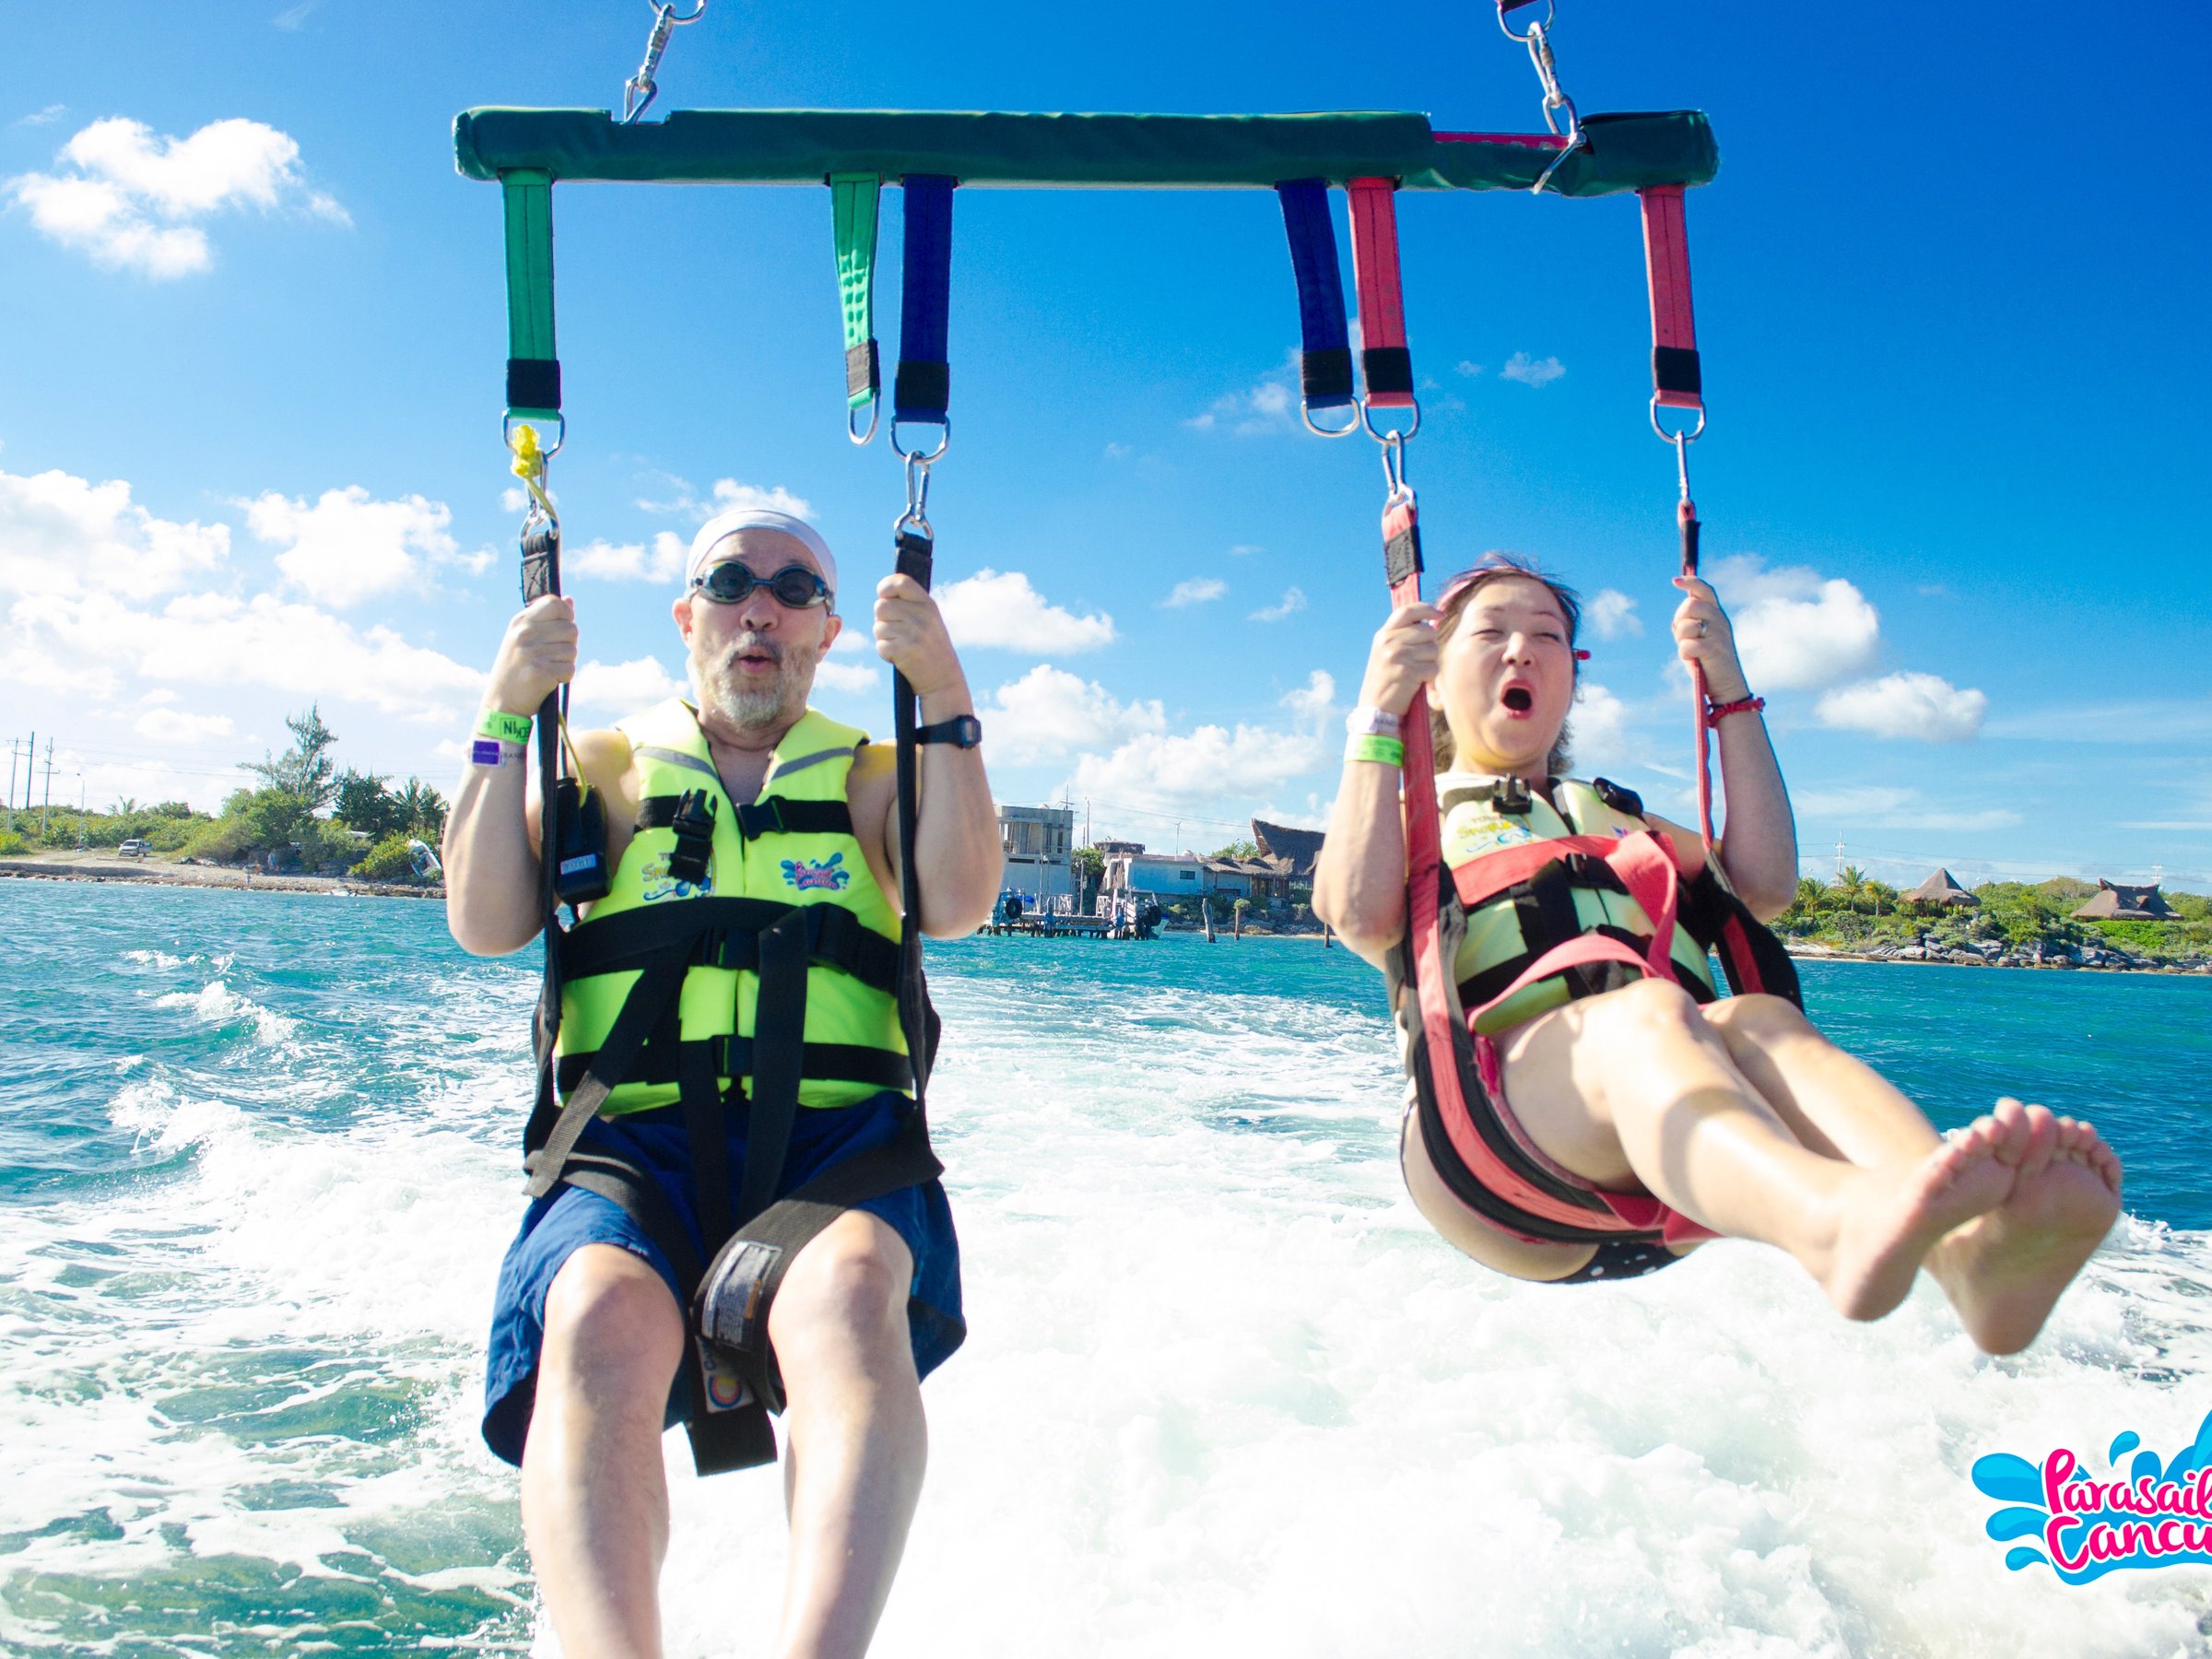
x: 1716, y: 712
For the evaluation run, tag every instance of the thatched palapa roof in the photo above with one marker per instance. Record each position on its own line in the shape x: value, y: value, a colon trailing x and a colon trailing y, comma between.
x: 1942, y: 887
x: 1292, y: 850
x: 2112, y: 902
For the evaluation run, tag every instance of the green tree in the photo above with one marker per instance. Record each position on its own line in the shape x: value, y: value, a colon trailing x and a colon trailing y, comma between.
x: 306, y: 768
x: 363, y: 802
x: 422, y: 810
x: 1239, y: 849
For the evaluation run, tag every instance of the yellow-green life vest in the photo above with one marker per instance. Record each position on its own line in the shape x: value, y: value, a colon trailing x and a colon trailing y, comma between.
x: 1496, y: 939
x: 793, y: 847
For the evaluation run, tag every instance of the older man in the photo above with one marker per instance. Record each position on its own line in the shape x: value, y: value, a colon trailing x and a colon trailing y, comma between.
x: 744, y: 810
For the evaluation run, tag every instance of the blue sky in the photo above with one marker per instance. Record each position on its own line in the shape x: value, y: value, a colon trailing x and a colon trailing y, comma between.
x: 1949, y: 290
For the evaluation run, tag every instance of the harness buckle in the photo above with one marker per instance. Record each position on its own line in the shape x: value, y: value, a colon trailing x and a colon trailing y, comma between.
x: 756, y: 818
x: 1510, y: 797
x: 693, y: 827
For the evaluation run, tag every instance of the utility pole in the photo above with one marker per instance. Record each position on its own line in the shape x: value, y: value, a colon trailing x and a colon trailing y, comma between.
x: 1839, y: 856
x: 31, y: 761
x: 46, y: 805
x: 9, y: 809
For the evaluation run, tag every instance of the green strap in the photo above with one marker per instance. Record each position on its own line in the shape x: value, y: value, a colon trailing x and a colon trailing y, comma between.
x: 855, y: 197
x: 533, y: 362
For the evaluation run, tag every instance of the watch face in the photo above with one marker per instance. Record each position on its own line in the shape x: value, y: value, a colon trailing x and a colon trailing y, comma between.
x: 970, y: 733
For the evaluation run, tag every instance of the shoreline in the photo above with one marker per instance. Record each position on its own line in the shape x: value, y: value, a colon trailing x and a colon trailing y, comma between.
x: 97, y: 868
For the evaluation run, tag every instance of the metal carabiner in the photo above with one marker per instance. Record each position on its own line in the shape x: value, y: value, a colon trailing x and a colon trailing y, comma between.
x: 917, y: 516
x: 639, y: 90
x: 1345, y: 430
x: 1394, y: 468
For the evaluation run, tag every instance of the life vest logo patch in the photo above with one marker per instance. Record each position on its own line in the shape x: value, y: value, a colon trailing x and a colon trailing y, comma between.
x: 657, y: 884
x: 828, y: 875
x: 1475, y: 833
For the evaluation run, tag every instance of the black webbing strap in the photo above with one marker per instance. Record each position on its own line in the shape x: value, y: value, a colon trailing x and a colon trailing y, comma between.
x: 916, y: 555
x: 700, y: 1091
x: 643, y: 1010
x: 723, y: 933
x: 775, y: 816
x: 779, y: 1048
x: 733, y: 1057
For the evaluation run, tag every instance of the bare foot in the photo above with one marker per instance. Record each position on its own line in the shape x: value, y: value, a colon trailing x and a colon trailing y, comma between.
x: 1892, y: 1217
x: 2004, y: 1271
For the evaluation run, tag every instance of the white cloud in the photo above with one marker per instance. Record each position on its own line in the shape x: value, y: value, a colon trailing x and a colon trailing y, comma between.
x: 1532, y: 371
x: 1894, y: 808
x: 347, y: 548
x: 1602, y: 739
x: 1243, y: 550
x: 214, y: 640
x: 684, y: 500
x: 1048, y: 712
x: 174, y: 725
x: 1196, y: 589
x: 1795, y: 630
x: 45, y: 117
x: 514, y: 498
x: 1611, y: 614
x: 1000, y: 610
x: 629, y: 561
x: 132, y: 199
x: 624, y: 687
x: 1924, y: 706
x: 1315, y: 698
x: 1158, y: 771
x: 1468, y: 369
x: 1292, y: 602
x: 1267, y: 406
x: 62, y: 535
x: 1117, y: 451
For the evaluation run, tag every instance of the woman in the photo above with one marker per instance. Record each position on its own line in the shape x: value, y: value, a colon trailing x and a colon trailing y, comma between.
x: 1696, y: 1117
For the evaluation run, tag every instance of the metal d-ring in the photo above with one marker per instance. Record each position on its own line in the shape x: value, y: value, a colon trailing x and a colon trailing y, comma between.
x: 1678, y: 438
x: 1393, y: 436
x: 875, y: 413
x: 1551, y: 11
x: 561, y: 433
x: 1345, y: 430
x: 944, y: 438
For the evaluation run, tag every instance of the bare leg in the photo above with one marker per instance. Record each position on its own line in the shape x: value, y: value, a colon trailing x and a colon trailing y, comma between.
x: 594, y: 1497
x: 857, y: 1442
x: 2002, y: 1271
x: 1637, y: 1086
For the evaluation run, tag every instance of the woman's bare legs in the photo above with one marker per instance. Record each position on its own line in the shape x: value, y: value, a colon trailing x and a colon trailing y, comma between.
x: 2002, y: 1271
x: 1638, y: 1087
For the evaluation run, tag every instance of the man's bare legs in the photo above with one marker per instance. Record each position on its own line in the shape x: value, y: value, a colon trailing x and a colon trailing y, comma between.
x: 2002, y: 1271
x: 856, y: 1442
x: 594, y: 1497
x: 1637, y: 1088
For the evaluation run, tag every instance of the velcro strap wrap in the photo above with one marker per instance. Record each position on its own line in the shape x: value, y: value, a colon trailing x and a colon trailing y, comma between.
x: 533, y: 383
x: 862, y: 372
x: 1388, y: 369
x: 923, y: 390
x: 1675, y: 369
x: 1401, y: 544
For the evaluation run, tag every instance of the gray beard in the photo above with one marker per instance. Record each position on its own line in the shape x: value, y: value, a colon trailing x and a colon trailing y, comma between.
x: 751, y: 708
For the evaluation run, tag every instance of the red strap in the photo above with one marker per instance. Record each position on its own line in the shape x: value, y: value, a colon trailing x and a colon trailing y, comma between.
x: 1487, y: 875
x: 1667, y: 267
x: 1644, y: 862
x: 1375, y: 271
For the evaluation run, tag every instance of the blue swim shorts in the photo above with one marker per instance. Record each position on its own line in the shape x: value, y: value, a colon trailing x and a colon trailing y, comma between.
x: 567, y: 1219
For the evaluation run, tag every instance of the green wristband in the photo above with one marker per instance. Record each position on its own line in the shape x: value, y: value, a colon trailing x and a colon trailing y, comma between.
x: 1384, y: 751
x: 507, y: 728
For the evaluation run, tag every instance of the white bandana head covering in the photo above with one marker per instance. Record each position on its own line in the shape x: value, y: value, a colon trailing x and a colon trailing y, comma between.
x: 724, y: 525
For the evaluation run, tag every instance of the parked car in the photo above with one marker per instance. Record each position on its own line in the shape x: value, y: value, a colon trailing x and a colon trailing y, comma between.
x: 134, y: 848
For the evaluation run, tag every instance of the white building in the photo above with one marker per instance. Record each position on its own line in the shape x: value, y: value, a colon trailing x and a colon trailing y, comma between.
x: 1037, y: 842
x: 1162, y: 874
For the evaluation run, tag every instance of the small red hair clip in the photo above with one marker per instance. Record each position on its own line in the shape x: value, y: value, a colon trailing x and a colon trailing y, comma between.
x: 1580, y: 656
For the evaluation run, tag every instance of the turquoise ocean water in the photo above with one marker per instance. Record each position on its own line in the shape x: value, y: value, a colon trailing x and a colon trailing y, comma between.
x: 1225, y: 1393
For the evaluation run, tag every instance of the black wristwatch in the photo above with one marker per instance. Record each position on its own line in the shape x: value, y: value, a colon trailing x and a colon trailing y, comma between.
x: 963, y: 731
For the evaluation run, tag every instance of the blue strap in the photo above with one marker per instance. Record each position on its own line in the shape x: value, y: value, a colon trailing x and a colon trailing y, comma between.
x: 922, y: 389
x: 1325, y: 361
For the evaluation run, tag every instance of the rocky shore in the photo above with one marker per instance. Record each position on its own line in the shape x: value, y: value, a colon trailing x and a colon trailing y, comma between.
x: 159, y: 872
x: 1977, y: 954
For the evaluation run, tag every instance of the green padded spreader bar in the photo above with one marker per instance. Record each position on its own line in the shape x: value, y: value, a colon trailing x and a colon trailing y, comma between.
x: 804, y: 146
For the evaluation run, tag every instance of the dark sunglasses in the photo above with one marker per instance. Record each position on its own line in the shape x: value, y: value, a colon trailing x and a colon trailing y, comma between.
x: 794, y: 587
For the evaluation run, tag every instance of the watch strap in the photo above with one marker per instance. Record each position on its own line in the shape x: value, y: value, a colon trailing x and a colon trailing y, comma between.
x: 963, y: 731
